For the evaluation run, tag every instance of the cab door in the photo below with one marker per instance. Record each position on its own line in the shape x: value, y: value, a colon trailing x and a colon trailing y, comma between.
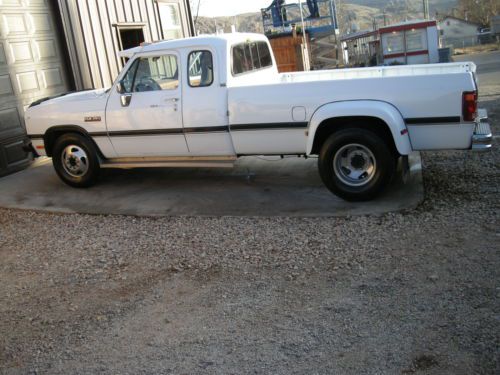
x: 144, y: 109
x: 205, y: 116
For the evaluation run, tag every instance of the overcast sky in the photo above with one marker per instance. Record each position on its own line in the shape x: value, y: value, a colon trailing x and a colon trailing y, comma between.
x: 212, y: 8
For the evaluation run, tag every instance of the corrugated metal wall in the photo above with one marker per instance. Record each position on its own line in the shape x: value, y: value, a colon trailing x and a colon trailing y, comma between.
x: 92, y: 33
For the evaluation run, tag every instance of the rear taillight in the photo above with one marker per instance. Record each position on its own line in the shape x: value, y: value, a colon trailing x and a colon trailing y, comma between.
x: 469, y: 105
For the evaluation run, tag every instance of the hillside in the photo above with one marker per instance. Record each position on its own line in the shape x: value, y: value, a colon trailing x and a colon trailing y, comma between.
x: 252, y: 22
x: 434, y: 5
x: 354, y: 15
x: 248, y: 22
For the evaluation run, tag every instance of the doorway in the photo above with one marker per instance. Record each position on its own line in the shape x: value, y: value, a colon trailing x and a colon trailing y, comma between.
x: 130, y: 37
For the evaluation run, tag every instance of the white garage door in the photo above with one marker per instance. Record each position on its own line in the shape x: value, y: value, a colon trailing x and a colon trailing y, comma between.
x: 31, y: 67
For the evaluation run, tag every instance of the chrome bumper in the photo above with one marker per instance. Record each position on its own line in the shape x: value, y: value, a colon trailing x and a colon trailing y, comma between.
x: 482, y: 137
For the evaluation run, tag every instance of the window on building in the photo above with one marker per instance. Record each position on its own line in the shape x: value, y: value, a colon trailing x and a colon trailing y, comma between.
x: 394, y: 43
x: 171, y: 20
x: 130, y: 37
x: 200, y: 69
x: 416, y: 40
x: 250, y: 56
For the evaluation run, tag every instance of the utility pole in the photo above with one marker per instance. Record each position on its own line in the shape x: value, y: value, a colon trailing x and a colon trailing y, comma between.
x: 426, y: 9
x: 305, y: 48
x: 337, y: 32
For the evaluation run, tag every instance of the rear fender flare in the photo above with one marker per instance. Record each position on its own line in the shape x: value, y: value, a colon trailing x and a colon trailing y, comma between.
x: 363, y: 108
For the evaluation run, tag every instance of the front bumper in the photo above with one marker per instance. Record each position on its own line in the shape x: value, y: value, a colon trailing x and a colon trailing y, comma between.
x: 482, y: 137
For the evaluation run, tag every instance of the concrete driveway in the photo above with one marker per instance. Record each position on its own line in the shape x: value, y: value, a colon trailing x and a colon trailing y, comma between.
x: 255, y: 187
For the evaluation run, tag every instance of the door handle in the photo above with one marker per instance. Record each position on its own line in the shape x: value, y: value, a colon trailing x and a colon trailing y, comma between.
x: 175, y: 100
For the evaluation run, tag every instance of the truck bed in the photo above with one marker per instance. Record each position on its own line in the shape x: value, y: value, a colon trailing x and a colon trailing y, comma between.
x: 377, y: 72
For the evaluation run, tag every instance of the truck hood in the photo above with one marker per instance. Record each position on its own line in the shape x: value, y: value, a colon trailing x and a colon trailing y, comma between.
x: 72, y: 96
x: 68, y: 109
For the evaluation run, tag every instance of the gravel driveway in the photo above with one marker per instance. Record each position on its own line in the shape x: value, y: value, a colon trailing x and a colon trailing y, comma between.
x: 407, y: 293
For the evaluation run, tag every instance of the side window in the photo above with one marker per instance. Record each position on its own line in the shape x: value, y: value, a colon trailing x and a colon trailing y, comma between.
x: 128, y: 80
x: 255, y: 56
x: 241, y: 59
x: 251, y: 56
x: 264, y: 55
x: 200, y: 69
x: 156, y: 73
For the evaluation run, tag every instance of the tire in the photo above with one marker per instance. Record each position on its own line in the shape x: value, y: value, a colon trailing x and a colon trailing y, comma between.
x: 75, y: 160
x: 356, y: 164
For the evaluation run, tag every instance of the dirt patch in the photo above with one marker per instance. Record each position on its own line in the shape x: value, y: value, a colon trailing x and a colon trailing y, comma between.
x: 422, y: 363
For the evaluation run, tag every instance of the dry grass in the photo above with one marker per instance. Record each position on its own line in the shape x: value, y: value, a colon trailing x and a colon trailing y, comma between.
x: 478, y: 49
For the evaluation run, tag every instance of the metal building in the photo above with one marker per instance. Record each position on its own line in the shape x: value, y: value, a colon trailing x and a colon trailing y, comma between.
x: 52, y: 46
x: 96, y: 30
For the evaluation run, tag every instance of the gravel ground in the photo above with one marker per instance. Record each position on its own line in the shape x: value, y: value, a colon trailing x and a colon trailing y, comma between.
x: 405, y: 293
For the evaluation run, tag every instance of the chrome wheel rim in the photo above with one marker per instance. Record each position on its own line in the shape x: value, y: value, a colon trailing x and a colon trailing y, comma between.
x: 75, y: 161
x: 354, y: 165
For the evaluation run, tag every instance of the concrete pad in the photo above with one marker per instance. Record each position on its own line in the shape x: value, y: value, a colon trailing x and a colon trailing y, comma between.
x: 257, y: 186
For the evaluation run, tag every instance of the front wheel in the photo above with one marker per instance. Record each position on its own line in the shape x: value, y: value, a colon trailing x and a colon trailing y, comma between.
x: 75, y: 160
x: 356, y: 164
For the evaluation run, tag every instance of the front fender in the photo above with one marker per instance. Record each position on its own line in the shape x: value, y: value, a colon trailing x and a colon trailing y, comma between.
x: 363, y: 108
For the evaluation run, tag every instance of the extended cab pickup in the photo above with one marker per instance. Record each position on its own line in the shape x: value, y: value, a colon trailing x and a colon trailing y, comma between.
x: 207, y: 100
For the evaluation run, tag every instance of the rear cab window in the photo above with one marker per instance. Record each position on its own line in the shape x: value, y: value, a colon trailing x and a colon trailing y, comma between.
x: 248, y: 57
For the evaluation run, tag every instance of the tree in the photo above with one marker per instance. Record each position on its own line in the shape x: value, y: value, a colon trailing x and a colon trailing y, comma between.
x: 195, y: 10
x: 479, y: 11
x: 402, y: 10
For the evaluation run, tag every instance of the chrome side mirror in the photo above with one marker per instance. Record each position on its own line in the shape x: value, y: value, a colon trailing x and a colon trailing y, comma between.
x: 125, y: 99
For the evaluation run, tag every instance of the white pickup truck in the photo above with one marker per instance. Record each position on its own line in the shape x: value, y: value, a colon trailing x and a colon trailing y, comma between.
x: 207, y: 100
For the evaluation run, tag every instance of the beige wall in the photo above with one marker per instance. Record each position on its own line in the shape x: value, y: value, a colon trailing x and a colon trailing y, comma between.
x: 457, y: 33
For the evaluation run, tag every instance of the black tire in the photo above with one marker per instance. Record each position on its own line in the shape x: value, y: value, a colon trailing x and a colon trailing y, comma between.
x: 365, y: 153
x: 85, y: 171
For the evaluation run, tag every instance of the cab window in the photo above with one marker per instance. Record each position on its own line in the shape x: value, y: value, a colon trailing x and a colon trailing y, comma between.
x: 128, y: 79
x: 247, y: 57
x: 152, y: 74
x: 200, y: 69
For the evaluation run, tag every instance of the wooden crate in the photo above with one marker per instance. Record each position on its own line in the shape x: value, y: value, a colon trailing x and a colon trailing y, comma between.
x: 288, y: 53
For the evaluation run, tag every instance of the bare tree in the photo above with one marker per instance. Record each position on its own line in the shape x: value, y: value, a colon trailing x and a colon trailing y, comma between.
x: 195, y: 9
x: 402, y: 10
x: 479, y: 11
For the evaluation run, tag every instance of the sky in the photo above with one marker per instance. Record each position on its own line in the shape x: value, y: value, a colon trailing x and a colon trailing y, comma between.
x: 213, y: 8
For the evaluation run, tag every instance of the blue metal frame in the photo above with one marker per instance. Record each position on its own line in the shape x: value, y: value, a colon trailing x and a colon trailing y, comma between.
x: 278, y: 18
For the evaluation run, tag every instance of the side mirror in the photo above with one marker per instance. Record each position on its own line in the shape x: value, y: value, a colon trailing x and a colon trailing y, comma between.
x: 119, y: 88
x: 125, y: 99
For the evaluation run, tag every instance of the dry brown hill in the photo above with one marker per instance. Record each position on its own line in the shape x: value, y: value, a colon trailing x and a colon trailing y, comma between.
x: 252, y: 22
x: 356, y: 14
